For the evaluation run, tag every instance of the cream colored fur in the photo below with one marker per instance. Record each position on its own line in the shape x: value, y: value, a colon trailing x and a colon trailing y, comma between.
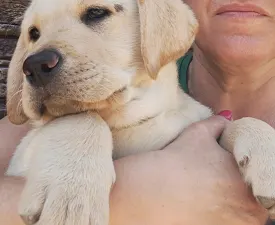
x: 117, y: 94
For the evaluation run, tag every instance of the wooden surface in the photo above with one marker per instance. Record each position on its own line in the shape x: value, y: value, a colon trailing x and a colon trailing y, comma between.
x: 10, y: 17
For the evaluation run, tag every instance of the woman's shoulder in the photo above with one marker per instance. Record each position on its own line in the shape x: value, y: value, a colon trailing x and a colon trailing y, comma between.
x: 183, y: 65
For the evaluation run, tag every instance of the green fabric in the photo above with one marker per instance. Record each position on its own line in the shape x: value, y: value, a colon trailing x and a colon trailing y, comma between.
x: 183, y: 65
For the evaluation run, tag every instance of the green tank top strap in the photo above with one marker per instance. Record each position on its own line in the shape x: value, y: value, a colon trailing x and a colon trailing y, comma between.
x: 183, y: 65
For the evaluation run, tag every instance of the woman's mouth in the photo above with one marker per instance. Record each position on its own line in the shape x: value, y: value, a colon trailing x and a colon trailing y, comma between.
x: 240, y: 14
x: 241, y: 11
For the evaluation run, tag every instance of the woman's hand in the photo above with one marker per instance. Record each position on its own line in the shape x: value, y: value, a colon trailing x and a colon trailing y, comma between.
x: 192, y: 181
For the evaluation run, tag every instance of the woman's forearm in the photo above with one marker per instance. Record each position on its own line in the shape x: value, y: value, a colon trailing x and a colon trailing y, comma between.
x: 10, y: 136
x: 10, y: 187
x: 10, y: 191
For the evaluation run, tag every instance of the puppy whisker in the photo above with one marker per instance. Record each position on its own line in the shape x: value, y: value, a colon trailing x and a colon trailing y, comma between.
x: 20, y: 104
x: 15, y: 94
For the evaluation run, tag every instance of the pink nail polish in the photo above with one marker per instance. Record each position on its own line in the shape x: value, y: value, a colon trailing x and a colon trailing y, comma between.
x: 227, y: 114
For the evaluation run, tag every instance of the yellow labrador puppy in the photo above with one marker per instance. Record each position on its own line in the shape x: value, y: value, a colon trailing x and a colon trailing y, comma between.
x: 98, y: 79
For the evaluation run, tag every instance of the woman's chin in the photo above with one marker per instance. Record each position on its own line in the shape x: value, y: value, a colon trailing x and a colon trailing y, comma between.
x: 241, y: 49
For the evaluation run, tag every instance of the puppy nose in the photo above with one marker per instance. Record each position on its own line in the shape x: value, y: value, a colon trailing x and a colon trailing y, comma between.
x: 41, y: 67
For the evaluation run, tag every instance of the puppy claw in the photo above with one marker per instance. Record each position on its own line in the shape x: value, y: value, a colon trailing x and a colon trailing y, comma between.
x: 30, y: 220
x: 244, y: 162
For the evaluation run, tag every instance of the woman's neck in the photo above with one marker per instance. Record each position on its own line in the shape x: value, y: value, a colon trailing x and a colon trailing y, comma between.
x: 245, y: 91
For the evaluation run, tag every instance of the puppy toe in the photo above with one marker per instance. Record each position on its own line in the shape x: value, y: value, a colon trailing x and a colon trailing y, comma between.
x: 30, y: 220
x: 31, y: 204
x: 30, y: 213
x: 266, y: 202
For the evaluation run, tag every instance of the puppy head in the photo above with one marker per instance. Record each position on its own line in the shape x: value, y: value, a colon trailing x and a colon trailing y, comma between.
x: 73, y: 55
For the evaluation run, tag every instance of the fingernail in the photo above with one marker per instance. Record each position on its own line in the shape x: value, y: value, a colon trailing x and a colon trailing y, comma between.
x: 227, y: 114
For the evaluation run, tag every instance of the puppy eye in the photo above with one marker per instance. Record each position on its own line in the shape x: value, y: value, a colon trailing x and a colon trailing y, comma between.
x: 95, y: 14
x: 34, y: 34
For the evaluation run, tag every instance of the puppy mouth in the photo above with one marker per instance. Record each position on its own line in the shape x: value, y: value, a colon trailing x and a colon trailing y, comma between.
x: 42, y: 109
x: 55, y: 106
x: 120, y: 90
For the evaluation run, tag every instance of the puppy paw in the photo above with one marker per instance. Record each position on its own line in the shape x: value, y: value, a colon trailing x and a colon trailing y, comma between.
x: 258, y: 171
x: 253, y: 144
x: 65, y: 203
x: 70, y: 174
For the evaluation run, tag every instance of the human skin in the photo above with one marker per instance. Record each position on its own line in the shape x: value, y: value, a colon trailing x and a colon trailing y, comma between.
x: 233, y: 68
x: 234, y: 60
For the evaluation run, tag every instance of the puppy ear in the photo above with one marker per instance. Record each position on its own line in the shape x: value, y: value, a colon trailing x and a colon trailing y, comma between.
x: 15, y: 85
x: 168, y: 29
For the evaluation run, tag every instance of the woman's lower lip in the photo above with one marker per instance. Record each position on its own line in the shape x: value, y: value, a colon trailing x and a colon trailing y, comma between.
x: 239, y: 14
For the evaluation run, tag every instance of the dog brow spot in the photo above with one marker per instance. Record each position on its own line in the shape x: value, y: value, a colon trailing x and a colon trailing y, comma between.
x: 118, y: 7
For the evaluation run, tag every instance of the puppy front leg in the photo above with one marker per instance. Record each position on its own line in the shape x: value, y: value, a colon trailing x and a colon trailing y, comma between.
x: 71, y: 173
x: 252, y: 143
x: 21, y: 159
